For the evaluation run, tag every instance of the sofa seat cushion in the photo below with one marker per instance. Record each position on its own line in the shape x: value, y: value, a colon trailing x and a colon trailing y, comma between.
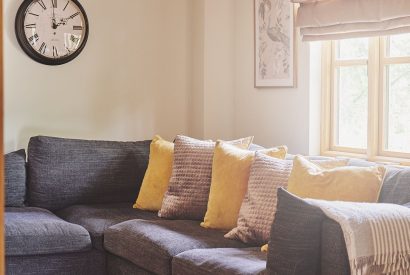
x: 90, y: 262
x: 232, y: 261
x: 153, y: 244
x: 35, y: 231
x: 97, y: 218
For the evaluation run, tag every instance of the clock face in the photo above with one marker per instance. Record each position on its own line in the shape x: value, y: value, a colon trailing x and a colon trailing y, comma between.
x: 52, y: 32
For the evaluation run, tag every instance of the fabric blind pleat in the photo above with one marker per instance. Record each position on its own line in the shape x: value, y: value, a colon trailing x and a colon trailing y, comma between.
x: 340, y: 19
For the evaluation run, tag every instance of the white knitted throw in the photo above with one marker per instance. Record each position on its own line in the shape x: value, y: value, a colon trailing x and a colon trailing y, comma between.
x: 377, y: 235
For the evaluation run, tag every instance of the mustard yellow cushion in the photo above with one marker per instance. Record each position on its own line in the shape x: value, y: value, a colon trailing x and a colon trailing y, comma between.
x: 230, y: 175
x: 348, y: 183
x: 157, y: 176
x: 265, y: 248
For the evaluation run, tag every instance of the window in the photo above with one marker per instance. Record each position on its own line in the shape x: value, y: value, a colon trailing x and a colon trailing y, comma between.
x: 366, y: 98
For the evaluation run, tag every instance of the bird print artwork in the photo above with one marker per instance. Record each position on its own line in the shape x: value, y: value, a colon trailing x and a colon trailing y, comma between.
x: 274, y: 30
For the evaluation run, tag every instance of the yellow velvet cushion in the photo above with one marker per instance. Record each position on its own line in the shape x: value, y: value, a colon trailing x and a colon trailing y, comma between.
x: 349, y: 183
x: 230, y: 175
x: 157, y: 176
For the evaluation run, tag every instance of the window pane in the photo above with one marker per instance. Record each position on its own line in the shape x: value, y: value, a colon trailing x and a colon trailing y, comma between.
x: 352, y: 106
x: 398, y: 106
x: 398, y: 45
x: 353, y: 49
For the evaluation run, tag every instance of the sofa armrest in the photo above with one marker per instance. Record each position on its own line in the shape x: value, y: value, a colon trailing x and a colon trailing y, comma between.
x: 334, y: 259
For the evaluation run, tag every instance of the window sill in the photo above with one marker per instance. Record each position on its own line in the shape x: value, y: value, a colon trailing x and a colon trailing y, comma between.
x: 378, y: 159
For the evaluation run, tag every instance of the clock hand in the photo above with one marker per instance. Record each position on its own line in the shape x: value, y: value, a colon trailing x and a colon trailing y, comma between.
x: 54, y: 19
x: 64, y: 20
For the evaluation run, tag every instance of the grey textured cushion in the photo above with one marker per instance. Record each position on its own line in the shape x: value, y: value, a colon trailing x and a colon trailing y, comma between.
x: 34, y: 231
x: 258, y: 208
x: 153, y: 244
x: 396, y: 186
x: 294, y: 247
x: 222, y: 261
x: 64, y: 172
x: 334, y: 259
x: 15, y: 178
x: 84, y: 263
x: 97, y: 218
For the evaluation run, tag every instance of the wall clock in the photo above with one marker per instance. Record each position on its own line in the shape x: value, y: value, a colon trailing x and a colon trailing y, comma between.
x: 52, y: 32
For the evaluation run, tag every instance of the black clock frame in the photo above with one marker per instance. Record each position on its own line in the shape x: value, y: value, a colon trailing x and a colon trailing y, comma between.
x: 31, y: 52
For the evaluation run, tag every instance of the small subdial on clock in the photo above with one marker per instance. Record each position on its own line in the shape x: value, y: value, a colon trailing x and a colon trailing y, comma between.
x: 54, y: 28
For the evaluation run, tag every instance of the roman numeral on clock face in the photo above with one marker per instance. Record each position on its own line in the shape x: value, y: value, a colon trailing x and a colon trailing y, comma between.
x: 33, y: 39
x: 74, y: 15
x: 30, y: 26
x: 54, y: 3
x: 41, y: 3
x: 55, y: 52
x: 78, y: 28
x: 43, y: 48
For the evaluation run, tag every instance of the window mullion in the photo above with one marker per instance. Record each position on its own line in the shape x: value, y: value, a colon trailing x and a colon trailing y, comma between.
x: 382, y: 96
x: 353, y: 62
x: 334, y: 108
x: 394, y: 60
x: 373, y: 99
x: 327, y: 81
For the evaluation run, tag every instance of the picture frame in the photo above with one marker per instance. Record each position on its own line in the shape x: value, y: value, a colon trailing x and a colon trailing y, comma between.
x: 274, y: 44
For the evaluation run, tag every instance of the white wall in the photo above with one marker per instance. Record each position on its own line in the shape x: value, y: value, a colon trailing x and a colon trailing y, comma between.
x: 232, y: 107
x: 219, y: 71
x: 274, y: 116
x: 197, y: 95
x: 131, y: 81
x: 212, y: 104
x: 161, y: 66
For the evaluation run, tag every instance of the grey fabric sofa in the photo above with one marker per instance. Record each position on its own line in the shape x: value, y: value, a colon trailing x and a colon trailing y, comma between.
x: 69, y: 211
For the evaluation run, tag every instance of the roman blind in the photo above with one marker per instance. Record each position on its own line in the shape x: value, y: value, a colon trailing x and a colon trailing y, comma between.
x: 340, y: 19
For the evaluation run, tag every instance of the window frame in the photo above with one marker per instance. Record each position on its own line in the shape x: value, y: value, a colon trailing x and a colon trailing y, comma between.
x: 377, y: 103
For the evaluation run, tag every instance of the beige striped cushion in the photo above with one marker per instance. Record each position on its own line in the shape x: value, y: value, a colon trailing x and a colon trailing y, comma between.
x: 188, y: 190
x: 258, y: 208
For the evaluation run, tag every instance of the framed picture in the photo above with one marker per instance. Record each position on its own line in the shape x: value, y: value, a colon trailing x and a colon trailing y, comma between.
x: 274, y: 43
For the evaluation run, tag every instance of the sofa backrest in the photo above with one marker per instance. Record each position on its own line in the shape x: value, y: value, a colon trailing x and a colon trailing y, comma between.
x: 396, y: 186
x: 15, y: 178
x: 64, y: 172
